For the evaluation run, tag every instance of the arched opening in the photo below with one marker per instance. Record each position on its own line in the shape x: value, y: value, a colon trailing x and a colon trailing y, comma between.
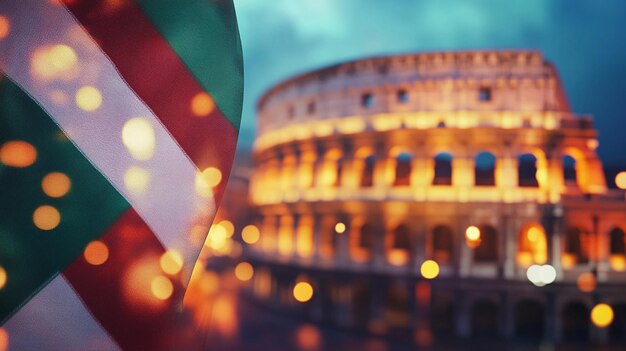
x: 367, y: 175
x: 443, y: 169
x: 617, y: 245
x: 403, y: 169
x: 285, y: 236
x: 367, y: 100
x: 575, y: 251
x: 442, y: 244
x: 288, y: 173
x: 442, y: 315
x: 532, y: 246
x: 484, y: 319
x: 361, y: 302
x: 396, y: 307
x: 569, y: 170
x: 485, y: 169
x: 527, y: 170
x: 617, y: 329
x: 487, y: 249
x: 529, y: 320
x: 328, y: 238
x: 402, y: 96
x: 399, y: 245
x: 362, y: 242
x: 617, y: 249
x: 304, y: 237
x: 329, y: 174
x: 575, y: 322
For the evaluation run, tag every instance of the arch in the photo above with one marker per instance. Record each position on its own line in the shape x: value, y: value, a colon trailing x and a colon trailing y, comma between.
x: 442, y: 244
x: 329, y: 173
x: 328, y: 238
x: 617, y: 329
x: 403, y: 169
x: 487, y: 249
x: 575, y: 170
x: 402, y: 96
x: 529, y: 320
x: 485, y: 169
x: 527, y: 170
x: 569, y: 169
x: 575, y: 321
x: 362, y: 242
x: 361, y: 303
x: 532, y: 245
x: 396, y: 306
x: 367, y: 100
x: 617, y: 244
x: 399, y: 245
x: 443, y: 169
x: 575, y: 247
x: 367, y: 173
x: 304, y: 237
x: 442, y: 315
x: 484, y: 319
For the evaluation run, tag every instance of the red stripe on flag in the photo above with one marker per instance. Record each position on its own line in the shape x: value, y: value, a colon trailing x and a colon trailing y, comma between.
x: 122, y: 292
x: 159, y: 77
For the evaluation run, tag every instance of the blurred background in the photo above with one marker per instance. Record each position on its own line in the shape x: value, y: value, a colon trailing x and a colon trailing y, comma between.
x: 271, y: 291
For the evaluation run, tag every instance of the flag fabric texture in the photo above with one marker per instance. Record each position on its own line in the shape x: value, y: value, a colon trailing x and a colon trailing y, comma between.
x: 118, y: 127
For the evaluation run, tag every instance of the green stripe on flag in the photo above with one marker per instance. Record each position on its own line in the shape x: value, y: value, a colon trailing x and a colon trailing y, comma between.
x: 205, y: 36
x: 31, y: 256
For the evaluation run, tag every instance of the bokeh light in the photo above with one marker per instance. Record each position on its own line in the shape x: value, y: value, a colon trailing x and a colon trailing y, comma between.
x: 56, y: 184
x: 541, y: 275
x: 586, y: 282
x: 96, y: 253
x: 340, y: 228
x: 3, y: 277
x: 46, y: 217
x: 88, y: 98
x: 18, y: 153
x: 202, y: 104
x: 5, y: 27
x: 429, y: 269
x: 53, y: 62
x: 303, y: 292
x: 171, y: 261
x: 207, y: 180
x: 228, y: 226
x: 308, y: 337
x: 137, y: 180
x: 250, y: 234
x: 244, y: 271
x: 4, y: 339
x: 602, y: 315
x: 620, y: 180
x: 472, y: 233
x: 139, y: 138
x: 161, y: 287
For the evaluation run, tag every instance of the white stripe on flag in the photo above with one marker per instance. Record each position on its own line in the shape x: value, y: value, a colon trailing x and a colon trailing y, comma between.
x: 55, y: 319
x: 50, y: 55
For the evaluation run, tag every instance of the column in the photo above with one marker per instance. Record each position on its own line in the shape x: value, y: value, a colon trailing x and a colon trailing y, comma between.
x: 555, y: 176
x: 463, y: 177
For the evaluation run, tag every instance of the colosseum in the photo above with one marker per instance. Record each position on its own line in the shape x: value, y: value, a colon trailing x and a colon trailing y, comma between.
x: 436, y: 195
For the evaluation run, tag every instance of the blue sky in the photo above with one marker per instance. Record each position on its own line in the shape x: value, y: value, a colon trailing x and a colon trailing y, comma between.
x: 586, y: 39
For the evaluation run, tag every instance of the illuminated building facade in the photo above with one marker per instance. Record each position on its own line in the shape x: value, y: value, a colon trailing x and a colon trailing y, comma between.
x: 469, y: 161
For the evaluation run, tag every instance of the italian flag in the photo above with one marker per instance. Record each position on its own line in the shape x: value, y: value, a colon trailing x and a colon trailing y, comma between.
x: 118, y: 126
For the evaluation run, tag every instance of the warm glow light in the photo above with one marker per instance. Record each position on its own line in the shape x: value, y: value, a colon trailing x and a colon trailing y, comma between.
x: 618, y: 262
x: 228, y: 227
x: 244, y: 271
x: 340, y: 228
x: 5, y: 27
x: 250, y: 234
x: 4, y: 340
x: 56, y: 184
x: 602, y: 315
x: 171, y: 262
x: 161, y: 287
x: 472, y: 233
x: 136, y: 180
x: 138, y: 137
x: 46, y: 217
x: 53, y: 62
x: 207, y: 180
x: 3, y: 277
x: 303, y: 292
x: 620, y: 180
x: 202, y: 104
x: 586, y: 282
x: 18, y: 154
x: 429, y: 269
x: 88, y: 98
x: 308, y: 338
x: 96, y: 253
x: 541, y: 275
